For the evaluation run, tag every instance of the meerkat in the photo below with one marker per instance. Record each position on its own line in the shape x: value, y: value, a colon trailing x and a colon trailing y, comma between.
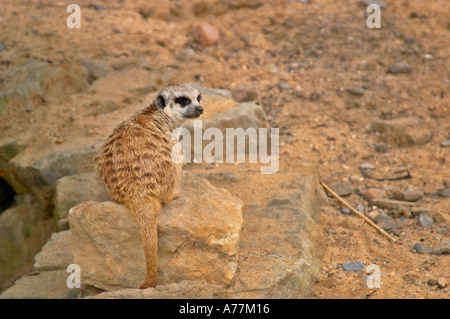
x: 136, y: 166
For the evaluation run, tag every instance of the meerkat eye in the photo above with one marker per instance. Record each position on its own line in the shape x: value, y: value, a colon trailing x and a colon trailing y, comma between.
x: 183, y: 101
x: 199, y: 98
x: 161, y: 101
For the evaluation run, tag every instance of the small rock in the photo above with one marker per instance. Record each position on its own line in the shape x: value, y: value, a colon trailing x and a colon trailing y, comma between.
x: 359, y: 192
x: 403, y: 68
x: 97, y: 7
x: 438, y: 218
x: 403, y: 212
x: 355, y: 266
x: 245, y: 93
x: 117, y: 30
x: 206, y: 34
x: 345, y: 210
x: 245, y: 39
x: 366, y: 166
x: 342, y: 189
x: 432, y: 282
x: 387, y: 223
x: 374, y: 193
x: 412, y: 195
x: 2, y: 47
x: 445, y: 143
x: 95, y: 70
x: 442, y: 248
x: 377, y: 2
x: 285, y: 86
x: 442, y: 282
x: 444, y: 193
x: 403, y: 131
x: 389, y: 203
x: 425, y: 220
x: 416, y: 211
x: 381, y: 148
x: 409, y: 40
x: 355, y: 91
x: 395, y: 194
x: 443, y: 230
x: 421, y: 249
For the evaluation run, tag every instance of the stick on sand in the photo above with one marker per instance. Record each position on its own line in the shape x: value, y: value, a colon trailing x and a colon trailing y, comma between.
x: 357, y: 212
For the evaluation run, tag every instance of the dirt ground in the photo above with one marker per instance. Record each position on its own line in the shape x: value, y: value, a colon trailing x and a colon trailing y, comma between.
x: 301, y: 58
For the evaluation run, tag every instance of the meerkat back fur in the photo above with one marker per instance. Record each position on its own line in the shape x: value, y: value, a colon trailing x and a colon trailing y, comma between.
x: 136, y: 166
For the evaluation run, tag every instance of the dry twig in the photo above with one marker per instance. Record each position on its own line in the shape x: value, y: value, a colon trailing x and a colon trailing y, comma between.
x: 329, y: 190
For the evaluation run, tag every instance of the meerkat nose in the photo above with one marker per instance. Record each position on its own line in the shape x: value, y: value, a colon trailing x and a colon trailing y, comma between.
x: 199, y: 110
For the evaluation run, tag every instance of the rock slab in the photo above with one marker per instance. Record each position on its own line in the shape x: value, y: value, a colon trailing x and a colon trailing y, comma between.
x: 198, y: 236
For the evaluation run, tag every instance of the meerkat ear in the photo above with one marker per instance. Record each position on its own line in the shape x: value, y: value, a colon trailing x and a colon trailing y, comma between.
x: 161, y: 101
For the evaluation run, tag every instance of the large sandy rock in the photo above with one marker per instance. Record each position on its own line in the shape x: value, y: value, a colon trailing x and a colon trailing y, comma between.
x: 76, y: 189
x: 23, y: 232
x: 55, y: 254
x: 198, y: 239
x: 182, y: 290
x: 403, y: 131
x: 36, y: 171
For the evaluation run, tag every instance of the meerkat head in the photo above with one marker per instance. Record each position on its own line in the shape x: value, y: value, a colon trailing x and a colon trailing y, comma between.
x: 180, y: 102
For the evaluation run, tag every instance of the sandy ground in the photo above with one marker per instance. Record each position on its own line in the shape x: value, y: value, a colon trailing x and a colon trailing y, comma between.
x: 301, y: 58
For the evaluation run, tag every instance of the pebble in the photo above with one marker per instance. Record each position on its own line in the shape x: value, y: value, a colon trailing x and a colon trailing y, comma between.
x: 442, y: 248
x: 444, y: 193
x: 387, y: 223
x: 97, y: 7
x: 403, y: 68
x: 206, y: 34
x: 2, y: 47
x: 373, y: 193
x: 443, y: 230
x: 285, y: 86
x: 425, y: 220
x: 389, y: 203
x: 416, y: 211
x: 377, y: 2
x: 345, y: 210
x: 409, y: 40
x: 403, y: 212
x: 412, y: 195
x: 245, y: 93
x: 355, y: 266
x: 359, y: 192
x: 443, y: 144
x: 432, y: 282
x: 381, y: 148
x: 366, y: 166
x: 117, y: 30
x: 355, y: 91
x: 442, y: 282
x: 421, y: 249
x: 342, y: 189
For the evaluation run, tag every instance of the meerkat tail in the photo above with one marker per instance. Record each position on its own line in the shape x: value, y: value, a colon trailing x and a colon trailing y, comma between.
x: 146, y: 213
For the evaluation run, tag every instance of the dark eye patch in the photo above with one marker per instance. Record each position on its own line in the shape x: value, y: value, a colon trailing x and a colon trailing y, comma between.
x: 199, y: 98
x: 183, y: 101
